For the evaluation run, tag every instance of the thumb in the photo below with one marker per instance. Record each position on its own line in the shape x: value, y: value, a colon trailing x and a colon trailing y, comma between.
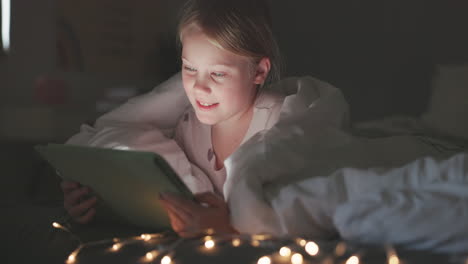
x: 211, y: 199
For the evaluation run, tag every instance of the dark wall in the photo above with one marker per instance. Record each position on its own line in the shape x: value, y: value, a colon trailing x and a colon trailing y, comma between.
x: 380, y: 53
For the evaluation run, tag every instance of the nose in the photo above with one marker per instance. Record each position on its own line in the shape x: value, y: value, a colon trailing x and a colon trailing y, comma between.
x: 201, y: 86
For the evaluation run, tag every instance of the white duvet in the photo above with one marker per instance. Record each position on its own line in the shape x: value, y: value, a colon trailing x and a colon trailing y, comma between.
x: 310, y: 176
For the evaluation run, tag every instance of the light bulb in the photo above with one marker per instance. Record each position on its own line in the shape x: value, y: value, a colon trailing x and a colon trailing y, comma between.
x: 145, y: 237
x: 393, y: 259
x: 116, y: 246
x: 264, y: 260
x: 166, y: 260
x: 285, y: 252
x: 297, y: 258
x: 209, y: 244
x: 302, y: 242
x: 312, y: 248
x: 236, y: 242
x: 149, y: 256
x: 71, y: 258
x: 353, y: 260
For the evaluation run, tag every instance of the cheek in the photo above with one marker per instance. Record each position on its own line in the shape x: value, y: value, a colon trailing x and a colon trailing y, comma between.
x: 187, y: 83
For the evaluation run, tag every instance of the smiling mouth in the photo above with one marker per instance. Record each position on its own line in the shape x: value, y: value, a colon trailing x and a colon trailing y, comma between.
x: 206, y: 106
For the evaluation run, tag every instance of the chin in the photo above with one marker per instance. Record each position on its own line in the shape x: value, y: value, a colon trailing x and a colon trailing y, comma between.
x: 206, y: 120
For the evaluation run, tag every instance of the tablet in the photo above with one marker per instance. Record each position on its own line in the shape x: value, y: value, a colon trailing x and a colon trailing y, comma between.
x: 127, y: 182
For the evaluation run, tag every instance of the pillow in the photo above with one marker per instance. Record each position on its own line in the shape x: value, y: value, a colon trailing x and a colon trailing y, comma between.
x: 448, y: 106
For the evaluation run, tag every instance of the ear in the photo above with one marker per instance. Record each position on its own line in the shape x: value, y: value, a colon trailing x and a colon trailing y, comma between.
x: 261, y: 71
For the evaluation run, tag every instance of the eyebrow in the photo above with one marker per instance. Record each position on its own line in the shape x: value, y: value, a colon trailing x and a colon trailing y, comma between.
x: 229, y: 65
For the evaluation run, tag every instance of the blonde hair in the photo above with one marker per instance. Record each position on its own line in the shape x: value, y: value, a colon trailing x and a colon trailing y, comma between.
x: 242, y: 27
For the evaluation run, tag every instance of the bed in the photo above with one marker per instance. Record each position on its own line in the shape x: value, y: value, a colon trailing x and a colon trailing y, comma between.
x: 313, y: 175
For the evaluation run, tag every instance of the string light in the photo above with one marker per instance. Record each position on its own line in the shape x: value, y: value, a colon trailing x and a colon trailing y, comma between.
x: 151, y: 255
x: 393, y: 259
x: 392, y: 256
x: 61, y: 227
x: 264, y: 260
x: 297, y: 258
x: 285, y: 252
x: 255, y: 243
x: 72, y: 257
x: 209, y: 244
x: 312, y: 248
x: 145, y: 237
x: 236, y: 242
x: 261, y: 237
x: 116, y: 247
x: 166, y: 260
x: 340, y: 249
x: 301, y: 242
x: 353, y: 260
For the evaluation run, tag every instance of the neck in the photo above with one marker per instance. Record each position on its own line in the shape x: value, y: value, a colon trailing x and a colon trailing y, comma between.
x: 235, y: 122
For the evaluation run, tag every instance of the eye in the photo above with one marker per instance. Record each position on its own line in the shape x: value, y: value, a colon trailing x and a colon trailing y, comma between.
x: 190, y: 69
x: 218, y: 74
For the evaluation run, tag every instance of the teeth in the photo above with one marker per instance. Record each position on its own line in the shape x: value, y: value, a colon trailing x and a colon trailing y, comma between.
x: 205, y: 104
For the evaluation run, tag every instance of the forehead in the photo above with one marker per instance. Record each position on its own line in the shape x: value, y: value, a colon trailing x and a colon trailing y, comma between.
x: 198, y: 48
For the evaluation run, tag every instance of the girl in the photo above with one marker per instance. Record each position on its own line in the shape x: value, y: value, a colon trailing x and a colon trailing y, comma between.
x: 228, y: 55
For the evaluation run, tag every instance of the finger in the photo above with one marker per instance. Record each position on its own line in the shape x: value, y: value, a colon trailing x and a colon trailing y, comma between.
x: 77, y: 210
x: 74, y: 197
x: 176, y: 222
x: 179, y: 202
x: 183, y: 215
x: 210, y: 199
x: 87, y: 217
x: 68, y: 186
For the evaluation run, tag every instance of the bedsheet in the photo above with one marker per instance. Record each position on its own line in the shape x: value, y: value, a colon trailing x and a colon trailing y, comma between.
x: 309, y: 175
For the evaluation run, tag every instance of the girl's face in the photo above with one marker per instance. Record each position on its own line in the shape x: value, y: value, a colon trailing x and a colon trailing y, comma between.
x: 220, y: 85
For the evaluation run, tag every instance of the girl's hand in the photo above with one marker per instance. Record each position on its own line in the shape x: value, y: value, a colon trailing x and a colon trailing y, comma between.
x: 80, y: 208
x: 189, y: 218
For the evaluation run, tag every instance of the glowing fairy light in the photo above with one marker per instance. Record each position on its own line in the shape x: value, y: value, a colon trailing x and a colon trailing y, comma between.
x: 393, y: 259
x: 392, y: 256
x: 353, y: 260
x: 236, y: 242
x: 166, y: 260
x: 285, y: 252
x: 264, y: 260
x: 151, y: 255
x: 116, y: 247
x: 312, y: 248
x: 301, y: 242
x: 340, y: 249
x: 59, y: 226
x: 72, y: 257
x: 209, y: 244
x: 145, y: 237
x: 260, y: 237
x: 255, y: 243
x: 297, y: 259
